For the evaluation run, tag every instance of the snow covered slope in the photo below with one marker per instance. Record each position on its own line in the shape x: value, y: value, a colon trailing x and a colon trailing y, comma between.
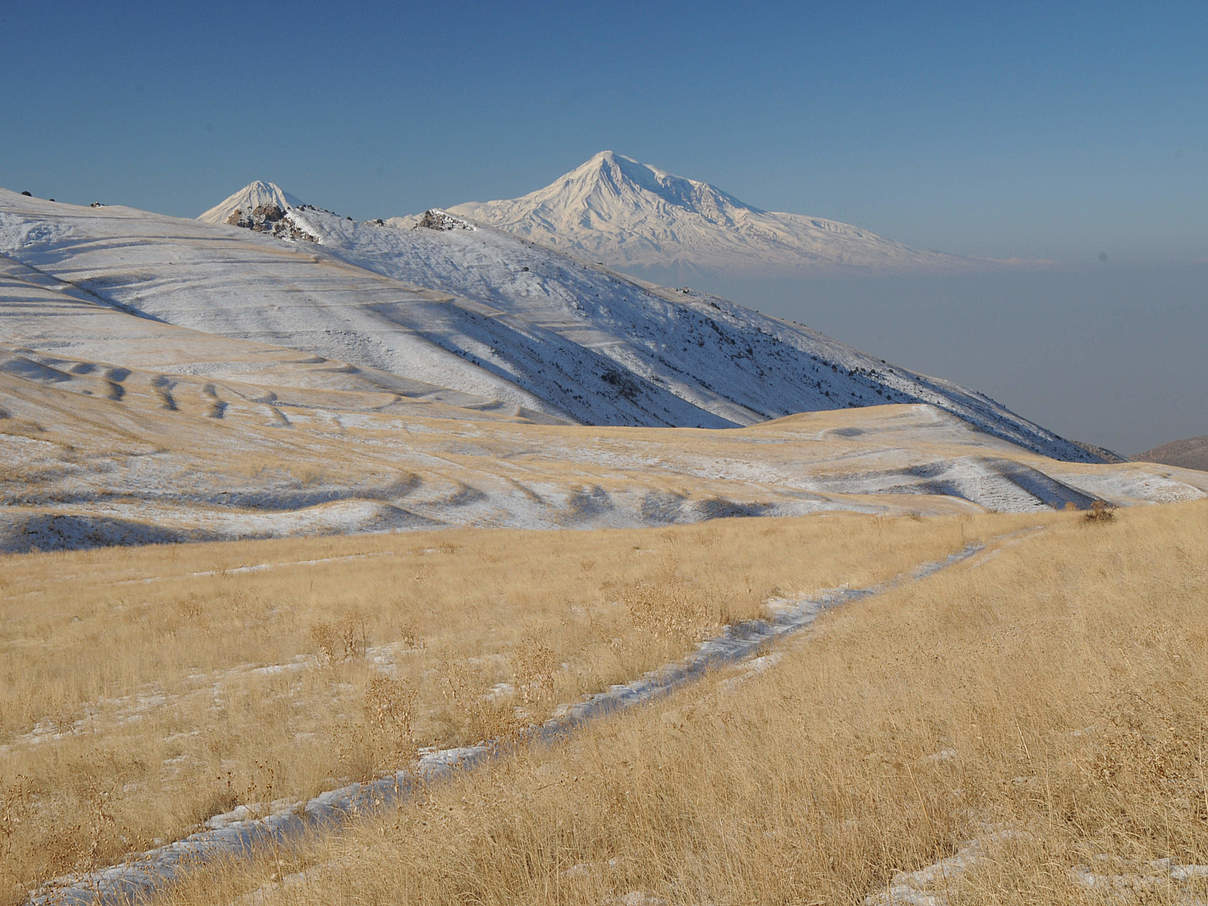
x: 647, y: 342
x: 96, y: 453
x: 164, y: 379
x: 631, y: 215
x: 478, y: 312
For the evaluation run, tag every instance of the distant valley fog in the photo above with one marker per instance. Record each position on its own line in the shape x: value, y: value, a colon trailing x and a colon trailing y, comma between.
x: 1112, y: 355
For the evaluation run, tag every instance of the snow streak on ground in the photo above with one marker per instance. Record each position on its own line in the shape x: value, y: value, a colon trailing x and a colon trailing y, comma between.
x: 237, y: 834
x: 932, y: 884
x: 100, y: 454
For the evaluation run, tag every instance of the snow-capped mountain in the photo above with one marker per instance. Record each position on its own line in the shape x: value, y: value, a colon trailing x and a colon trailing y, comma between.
x: 256, y: 194
x: 634, y: 216
x: 476, y: 311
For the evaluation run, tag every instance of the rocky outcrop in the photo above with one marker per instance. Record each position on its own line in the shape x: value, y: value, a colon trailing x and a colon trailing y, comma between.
x: 436, y: 219
x: 270, y: 218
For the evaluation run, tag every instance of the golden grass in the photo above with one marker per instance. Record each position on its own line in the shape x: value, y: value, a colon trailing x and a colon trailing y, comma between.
x: 1048, y: 700
x: 144, y: 690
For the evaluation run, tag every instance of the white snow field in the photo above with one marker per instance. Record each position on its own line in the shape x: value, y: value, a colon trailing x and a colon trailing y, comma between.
x: 166, y: 379
x: 629, y: 214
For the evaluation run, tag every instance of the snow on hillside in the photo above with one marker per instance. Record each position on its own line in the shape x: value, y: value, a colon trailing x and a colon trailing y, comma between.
x: 724, y: 359
x: 477, y: 311
x: 232, y: 282
x: 628, y: 214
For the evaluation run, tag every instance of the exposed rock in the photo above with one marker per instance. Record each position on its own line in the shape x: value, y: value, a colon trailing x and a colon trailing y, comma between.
x: 1104, y: 454
x: 268, y: 213
x: 270, y: 218
x: 436, y: 219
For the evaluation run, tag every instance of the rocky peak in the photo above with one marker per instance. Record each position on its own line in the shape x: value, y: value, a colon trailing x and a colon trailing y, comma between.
x: 436, y: 219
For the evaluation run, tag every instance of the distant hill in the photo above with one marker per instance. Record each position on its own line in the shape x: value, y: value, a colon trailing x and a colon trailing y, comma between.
x: 1189, y: 453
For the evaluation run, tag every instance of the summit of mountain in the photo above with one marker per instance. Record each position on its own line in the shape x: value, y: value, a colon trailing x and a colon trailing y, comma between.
x: 256, y: 194
x: 631, y: 215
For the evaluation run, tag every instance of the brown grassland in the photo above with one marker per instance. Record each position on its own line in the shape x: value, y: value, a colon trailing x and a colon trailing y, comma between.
x: 144, y: 690
x: 1047, y: 699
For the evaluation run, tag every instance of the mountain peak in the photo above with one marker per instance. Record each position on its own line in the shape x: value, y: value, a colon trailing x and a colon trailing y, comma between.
x: 635, y: 216
x: 255, y: 194
x: 602, y: 159
x: 651, y: 188
x: 611, y: 194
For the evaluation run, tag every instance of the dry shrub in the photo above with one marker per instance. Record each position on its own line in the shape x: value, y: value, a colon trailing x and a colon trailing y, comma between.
x: 341, y: 640
x: 1100, y: 512
x: 262, y: 787
x: 670, y: 607
x: 87, y: 837
x: 384, y: 738
x: 17, y: 807
x: 534, y: 667
x: 470, y: 697
x: 409, y: 634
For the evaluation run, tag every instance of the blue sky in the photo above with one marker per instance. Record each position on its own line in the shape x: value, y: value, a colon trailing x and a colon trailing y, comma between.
x: 1054, y: 130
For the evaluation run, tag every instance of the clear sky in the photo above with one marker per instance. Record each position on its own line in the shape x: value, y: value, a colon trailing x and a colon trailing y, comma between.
x: 1054, y: 130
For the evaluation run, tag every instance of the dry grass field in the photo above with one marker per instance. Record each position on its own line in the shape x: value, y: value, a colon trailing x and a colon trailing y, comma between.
x: 144, y: 690
x: 1027, y: 727
x: 1026, y: 724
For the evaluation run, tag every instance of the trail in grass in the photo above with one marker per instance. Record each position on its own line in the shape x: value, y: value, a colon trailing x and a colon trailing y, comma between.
x: 229, y: 837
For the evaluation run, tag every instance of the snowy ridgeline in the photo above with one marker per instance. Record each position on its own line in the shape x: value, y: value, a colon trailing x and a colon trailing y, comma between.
x: 477, y: 311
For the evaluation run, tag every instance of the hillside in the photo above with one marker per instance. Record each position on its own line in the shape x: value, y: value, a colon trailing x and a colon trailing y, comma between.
x: 478, y: 312
x: 172, y: 380
x: 1188, y: 453
x: 634, y: 216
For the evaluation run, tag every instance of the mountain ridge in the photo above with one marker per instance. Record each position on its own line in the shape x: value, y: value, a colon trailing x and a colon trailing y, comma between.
x: 484, y: 313
x: 644, y: 350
